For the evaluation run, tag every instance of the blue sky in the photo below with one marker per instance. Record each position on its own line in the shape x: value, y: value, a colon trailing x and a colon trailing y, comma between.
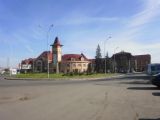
x: 80, y: 25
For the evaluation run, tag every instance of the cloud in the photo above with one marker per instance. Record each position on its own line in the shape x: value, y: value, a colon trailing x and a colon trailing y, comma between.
x: 78, y: 20
x: 150, y: 11
x: 29, y: 49
x: 91, y: 31
x: 129, y: 39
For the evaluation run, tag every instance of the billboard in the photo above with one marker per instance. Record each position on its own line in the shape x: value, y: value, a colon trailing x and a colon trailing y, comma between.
x: 26, y: 66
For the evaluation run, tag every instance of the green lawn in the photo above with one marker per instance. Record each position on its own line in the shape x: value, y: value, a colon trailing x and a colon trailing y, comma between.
x: 45, y: 75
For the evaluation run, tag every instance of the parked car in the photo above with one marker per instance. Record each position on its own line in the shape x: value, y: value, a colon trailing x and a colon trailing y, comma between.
x: 153, y: 69
x: 156, y: 80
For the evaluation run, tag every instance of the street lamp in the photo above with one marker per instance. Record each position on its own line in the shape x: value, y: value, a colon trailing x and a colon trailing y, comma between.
x: 115, y: 59
x: 105, y: 51
x: 49, y: 29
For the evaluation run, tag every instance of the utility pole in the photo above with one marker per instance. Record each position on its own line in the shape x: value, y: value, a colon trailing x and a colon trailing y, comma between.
x: 115, y: 59
x: 136, y: 65
x: 8, y: 66
x: 48, y: 51
x: 49, y: 29
x: 105, y: 52
x: 129, y: 66
x: 33, y: 65
x: 8, y: 62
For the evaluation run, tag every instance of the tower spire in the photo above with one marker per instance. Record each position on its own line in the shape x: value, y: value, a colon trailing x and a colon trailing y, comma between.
x: 57, y: 54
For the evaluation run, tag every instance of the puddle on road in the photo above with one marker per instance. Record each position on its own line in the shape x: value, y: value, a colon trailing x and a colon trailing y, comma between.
x: 24, y: 98
x: 15, y: 98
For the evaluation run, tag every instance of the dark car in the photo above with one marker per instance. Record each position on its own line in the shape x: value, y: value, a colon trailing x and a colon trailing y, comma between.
x: 156, y: 80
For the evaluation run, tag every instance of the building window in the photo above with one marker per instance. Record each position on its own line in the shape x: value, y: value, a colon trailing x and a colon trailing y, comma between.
x: 39, y: 63
x: 74, y: 65
x: 72, y: 59
x: 79, y: 65
x: 84, y: 65
x: 68, y: 65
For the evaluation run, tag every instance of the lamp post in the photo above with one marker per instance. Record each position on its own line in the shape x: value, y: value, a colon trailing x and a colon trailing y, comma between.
x: 105, y: 52
x: 33, y: 65
x: 115, y: 59
x: 49, y: 29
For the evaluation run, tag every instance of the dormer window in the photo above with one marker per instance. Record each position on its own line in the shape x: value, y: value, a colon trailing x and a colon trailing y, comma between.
x: 72, y: 59
x: 82, y: 59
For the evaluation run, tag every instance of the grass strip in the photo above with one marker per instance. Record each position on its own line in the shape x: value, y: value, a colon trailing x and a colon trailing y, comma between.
x: 45, y: 75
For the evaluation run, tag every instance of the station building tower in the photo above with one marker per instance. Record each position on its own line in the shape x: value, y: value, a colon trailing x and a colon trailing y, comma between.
x: 57, y: 55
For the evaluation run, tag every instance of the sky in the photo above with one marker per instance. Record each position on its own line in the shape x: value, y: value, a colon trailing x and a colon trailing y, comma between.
x: 116, y: 25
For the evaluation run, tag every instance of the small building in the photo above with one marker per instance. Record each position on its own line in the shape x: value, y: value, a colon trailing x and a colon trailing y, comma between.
x: 27, y: 65
x: 2, y: 70
x: 76, y: 63
x: 126, y: 62
x: 55, y: 62
x: 141, y: 62
x: 121, y: 62
x: 13, y: 71
x: 40, y: 64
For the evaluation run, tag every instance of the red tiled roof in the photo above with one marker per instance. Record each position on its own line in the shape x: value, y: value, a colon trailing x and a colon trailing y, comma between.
x: 147, y: 56
x: 28, y: 61
x: 67, y: 57
x: 44, y: 54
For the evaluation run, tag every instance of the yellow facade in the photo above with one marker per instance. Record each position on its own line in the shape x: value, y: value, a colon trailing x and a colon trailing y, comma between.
x: 74, y: 66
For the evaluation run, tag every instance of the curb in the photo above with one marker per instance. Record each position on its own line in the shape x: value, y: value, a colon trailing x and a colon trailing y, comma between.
x: 55, y: 79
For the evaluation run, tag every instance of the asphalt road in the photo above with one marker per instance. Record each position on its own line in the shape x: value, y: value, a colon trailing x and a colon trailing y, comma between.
x: 130, y: 97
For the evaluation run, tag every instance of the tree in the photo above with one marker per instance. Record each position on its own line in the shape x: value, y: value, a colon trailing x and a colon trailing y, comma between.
x: 107, y: 56
x: 98, y: 60
x: 98, y: 52
x: 89, y: 70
